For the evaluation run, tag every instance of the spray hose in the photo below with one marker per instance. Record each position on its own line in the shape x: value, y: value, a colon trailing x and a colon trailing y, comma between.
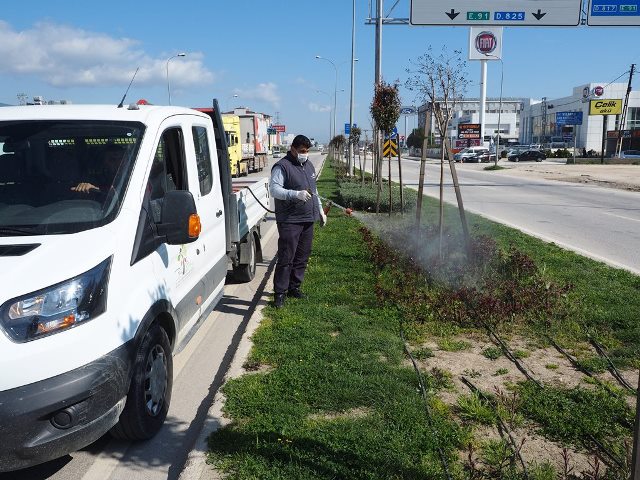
x: 329, y: 204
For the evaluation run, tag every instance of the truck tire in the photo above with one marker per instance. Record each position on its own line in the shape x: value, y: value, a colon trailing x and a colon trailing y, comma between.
x: 246, y: 272
x: 150, y: 390
x: 238, y: 170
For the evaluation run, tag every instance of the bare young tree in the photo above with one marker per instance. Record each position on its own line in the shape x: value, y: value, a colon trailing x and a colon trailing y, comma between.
x: 441, y: 82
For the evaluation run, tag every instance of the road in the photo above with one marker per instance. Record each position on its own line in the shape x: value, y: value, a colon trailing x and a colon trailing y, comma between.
x: 601, y: 223
x: 198, y: 371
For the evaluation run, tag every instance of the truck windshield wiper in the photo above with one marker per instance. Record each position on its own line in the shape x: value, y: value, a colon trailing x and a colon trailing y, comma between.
x: 11, y: 231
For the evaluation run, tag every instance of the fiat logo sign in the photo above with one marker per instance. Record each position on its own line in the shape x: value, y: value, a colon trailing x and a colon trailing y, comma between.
x: 486, y: 42
x: 598, y: 91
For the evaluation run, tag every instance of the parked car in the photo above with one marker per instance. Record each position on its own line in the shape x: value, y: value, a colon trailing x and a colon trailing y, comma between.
x: 468, y: 153
x: 483, y: 157
x: 537, y: 155
x: 630, y: 154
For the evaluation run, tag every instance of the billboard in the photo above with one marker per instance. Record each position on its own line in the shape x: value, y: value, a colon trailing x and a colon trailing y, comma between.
x: 605, y: 107
x: 485, y: 43
x: 468, y: 131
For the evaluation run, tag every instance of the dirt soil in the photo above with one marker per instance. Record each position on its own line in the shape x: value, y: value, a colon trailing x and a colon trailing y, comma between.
x: 624, y: 177
x: 545, y: 364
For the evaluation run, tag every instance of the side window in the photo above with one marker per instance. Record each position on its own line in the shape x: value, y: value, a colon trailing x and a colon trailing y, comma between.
x: 168, y: 170
x: 203, y: 159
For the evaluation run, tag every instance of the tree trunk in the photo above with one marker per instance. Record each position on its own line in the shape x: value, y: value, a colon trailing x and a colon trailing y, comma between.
x: 423, y: 160
x: 378, y: 171
x: 390, y: 190
x: 463, y: 218
x: 400, y: 178
x: 441, y: 211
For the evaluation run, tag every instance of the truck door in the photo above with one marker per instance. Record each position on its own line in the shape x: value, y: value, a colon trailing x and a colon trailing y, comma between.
x: 211, y: 245
x: 175, y: 266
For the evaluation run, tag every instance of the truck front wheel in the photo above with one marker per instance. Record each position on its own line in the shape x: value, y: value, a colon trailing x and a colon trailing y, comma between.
x: 150, y: 390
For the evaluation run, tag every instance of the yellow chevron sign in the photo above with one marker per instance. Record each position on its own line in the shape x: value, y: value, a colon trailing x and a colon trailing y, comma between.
x: 390, y: 148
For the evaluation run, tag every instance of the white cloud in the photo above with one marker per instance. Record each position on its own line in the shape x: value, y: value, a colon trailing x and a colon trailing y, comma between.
x: 64, y: 56
x: 265, y: 92
x: 314, y: 107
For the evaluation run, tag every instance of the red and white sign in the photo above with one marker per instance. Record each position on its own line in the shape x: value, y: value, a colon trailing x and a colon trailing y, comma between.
x: 485, y: 43
x: 279, y: 128
x: 598, y: 91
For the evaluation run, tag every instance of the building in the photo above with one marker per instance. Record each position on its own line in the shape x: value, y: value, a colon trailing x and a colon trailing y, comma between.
x: 467, y: 111
x: 543, y: 129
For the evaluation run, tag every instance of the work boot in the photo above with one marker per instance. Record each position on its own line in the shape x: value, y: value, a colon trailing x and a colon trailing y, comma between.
x: 296, y: 293
x: 278, y: 300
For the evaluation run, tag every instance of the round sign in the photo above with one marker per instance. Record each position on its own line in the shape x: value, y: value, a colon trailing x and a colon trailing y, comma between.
x: 598, y: 91
x: 486, y: 42
x: 585, y: 92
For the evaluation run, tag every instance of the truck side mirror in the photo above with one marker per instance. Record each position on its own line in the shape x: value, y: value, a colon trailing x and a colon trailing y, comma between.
x: 179, y: 222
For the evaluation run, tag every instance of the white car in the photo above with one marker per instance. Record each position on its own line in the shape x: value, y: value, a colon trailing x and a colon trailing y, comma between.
x: 630, y: 154
x: 469, y: 152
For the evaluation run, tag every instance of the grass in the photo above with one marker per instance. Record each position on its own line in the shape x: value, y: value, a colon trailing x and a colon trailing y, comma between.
x: 492, y: 353
x: 339, y: 400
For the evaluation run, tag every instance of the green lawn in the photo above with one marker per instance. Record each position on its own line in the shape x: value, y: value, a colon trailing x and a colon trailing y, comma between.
x: 333, y: 396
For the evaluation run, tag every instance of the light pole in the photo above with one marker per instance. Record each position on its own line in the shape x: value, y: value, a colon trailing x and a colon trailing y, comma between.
x: 353, y: 67
x: 335, y: 92
x: 235, y: 95
x: 168, y: 86
x: 499, y: 103
x: 322, y: 91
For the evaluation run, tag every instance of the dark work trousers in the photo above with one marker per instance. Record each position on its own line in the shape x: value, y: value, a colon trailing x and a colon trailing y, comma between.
x: 294, y: 248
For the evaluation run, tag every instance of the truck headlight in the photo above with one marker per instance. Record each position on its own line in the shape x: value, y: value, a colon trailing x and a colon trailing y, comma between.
x: 57, y: 308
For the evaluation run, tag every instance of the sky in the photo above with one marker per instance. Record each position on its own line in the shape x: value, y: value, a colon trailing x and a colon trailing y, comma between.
x: 261, y: 55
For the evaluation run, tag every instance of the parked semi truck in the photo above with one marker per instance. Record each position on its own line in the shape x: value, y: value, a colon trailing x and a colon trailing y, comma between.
x: 109, y: 265
x: 254, y: 138
x: 239, y: 163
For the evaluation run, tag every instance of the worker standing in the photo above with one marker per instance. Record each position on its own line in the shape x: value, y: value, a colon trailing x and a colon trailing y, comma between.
x: 297, y: 207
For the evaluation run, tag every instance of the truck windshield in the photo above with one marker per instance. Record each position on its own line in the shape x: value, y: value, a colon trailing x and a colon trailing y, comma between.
x: 60, y: 177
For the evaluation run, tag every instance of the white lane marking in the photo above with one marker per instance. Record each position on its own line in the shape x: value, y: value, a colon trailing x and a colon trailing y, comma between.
x: 621, y: 216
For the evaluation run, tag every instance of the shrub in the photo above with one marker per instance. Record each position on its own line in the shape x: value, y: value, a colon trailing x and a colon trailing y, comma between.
x: 492, y: 353
x: 563, y: 153
x: 359, y: 197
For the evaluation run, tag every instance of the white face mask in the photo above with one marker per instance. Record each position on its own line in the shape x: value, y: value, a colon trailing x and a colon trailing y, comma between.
x: 303, y: 157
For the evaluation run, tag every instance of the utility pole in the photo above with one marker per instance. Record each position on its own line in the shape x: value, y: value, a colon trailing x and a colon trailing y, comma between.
x: 351, y: 161
x: 544, y: 121
x: 623, y: 120
x: 379, y: 13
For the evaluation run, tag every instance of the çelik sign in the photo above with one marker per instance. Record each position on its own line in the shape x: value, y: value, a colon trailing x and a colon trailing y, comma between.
x: 605, y: 107
x: 485, y: 43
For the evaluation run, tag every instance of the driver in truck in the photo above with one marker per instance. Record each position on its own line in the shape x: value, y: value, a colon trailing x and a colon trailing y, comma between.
x: 113, y: 155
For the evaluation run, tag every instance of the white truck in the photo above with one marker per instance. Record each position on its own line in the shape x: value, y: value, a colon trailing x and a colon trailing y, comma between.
x: 117, y: 226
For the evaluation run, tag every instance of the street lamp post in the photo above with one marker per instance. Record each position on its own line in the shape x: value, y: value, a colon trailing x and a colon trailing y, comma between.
x: 335, y: 92
x: 235, y: 95
x: 353, y: 63
x: 325, y: 93
x: 168, y: 86
x: 499, y: 104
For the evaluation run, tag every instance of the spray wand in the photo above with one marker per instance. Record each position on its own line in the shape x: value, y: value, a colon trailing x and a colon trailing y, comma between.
x: 330, y: 203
